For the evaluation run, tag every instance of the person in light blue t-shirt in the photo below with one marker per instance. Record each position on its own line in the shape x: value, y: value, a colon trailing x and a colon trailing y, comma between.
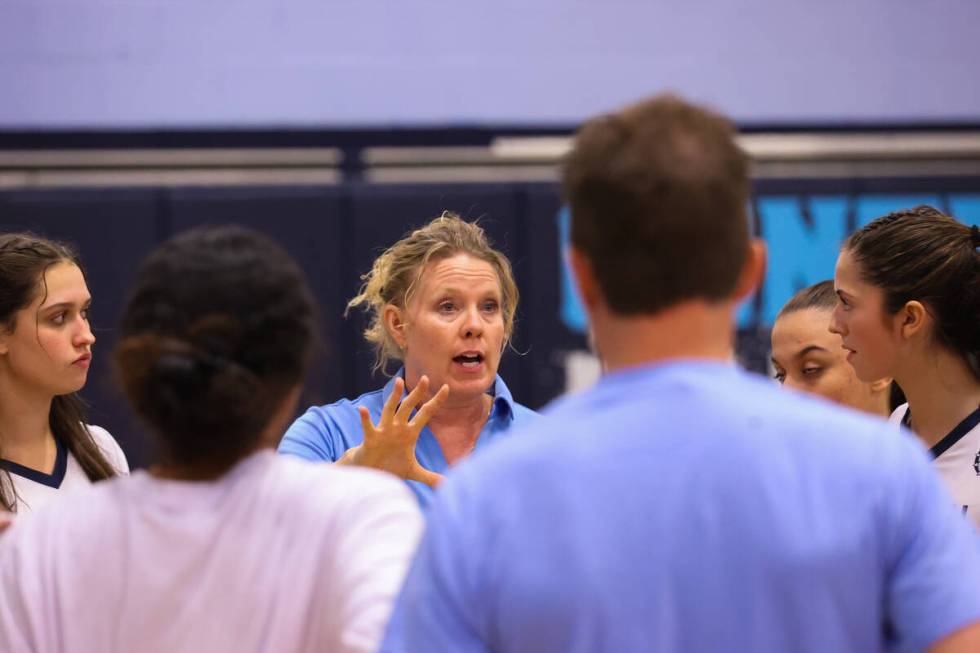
x: 682, y: 504
x: 442, y: 301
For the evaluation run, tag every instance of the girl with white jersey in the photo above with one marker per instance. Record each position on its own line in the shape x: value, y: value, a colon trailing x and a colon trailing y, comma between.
x: 909, y: 307
x: 222, y: 545
x: 45, y: 352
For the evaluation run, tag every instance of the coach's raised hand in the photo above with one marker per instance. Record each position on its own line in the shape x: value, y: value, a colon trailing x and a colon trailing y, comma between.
x: 390, y: 445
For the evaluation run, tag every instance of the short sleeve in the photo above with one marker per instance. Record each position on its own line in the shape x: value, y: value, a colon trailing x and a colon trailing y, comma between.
x: 310, y: 437
x: 110, y: 448
x: 932, y: 555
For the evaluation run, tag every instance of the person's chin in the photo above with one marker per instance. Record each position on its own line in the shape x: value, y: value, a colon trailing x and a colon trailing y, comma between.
x: 476, y: 383
x: 67, y: 389
x: 862, y: 373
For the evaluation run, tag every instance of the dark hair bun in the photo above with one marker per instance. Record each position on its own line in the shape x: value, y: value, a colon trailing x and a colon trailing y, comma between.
x: 190, y: 387
x: 219, y: 328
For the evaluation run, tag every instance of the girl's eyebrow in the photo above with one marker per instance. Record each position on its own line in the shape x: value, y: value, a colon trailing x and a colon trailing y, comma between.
x: 810, y: 348
x: 64, y: 305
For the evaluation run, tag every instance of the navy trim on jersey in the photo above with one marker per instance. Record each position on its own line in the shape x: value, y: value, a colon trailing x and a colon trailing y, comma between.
x: 53, y: 479
x: 961, y: 429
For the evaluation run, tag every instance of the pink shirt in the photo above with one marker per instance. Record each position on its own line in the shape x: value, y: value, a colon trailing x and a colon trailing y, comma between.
x: 277, y: 555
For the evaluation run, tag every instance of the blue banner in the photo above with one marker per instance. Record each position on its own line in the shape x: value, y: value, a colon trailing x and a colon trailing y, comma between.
x: 803, y: 235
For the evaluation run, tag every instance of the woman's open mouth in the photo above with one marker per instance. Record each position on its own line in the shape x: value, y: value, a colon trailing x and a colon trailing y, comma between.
x: 469, y: 360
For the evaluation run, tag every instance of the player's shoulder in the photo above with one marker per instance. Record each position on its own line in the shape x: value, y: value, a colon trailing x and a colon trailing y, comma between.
x: 66, y: 515
x: 109, y: 447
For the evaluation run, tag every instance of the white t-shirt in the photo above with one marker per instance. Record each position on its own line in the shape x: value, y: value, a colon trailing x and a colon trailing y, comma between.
x: 36, y: 489
x: 957, y: 460
x: 279, y: 554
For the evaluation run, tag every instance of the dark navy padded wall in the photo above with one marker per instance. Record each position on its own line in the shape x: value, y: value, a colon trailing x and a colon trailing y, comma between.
x: 336, y: 232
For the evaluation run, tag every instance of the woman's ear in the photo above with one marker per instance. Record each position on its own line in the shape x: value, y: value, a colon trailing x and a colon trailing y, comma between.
x: 913, y: 319
x: 881, y: 385
x: 394, y: 323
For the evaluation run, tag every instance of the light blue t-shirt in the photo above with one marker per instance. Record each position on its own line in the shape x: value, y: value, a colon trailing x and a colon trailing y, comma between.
x: 689, y: 506
x: 326, y: 432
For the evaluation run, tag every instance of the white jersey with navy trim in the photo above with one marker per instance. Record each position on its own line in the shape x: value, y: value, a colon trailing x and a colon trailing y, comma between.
x: 957, y: 460
x: 34, y: 489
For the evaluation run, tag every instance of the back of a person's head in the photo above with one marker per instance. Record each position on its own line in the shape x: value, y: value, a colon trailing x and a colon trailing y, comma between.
x: 219, y: 328
x: 658, y: 194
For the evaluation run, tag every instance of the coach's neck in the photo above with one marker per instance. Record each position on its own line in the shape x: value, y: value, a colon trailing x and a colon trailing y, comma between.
x: 691, y: 328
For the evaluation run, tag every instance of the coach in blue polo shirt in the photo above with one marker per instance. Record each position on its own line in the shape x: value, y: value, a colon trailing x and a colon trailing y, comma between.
x: 442, y: 301
x: 682, y: 504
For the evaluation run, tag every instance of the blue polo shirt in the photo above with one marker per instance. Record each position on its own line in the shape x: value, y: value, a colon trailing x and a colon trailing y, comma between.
x: 326, y: 432
x: 689, y: 506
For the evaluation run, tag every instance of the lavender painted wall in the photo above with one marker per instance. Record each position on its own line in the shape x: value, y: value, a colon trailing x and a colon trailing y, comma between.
x: 263, y: 63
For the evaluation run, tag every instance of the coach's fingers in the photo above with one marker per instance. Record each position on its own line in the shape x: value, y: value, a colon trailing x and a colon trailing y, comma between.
x: 388, y: 412
x: 366, y: 424
x: 429, y: 408
x: 413, y: 399
x: 422, y: 475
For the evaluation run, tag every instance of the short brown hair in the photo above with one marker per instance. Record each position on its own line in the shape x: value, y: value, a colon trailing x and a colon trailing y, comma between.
x: 395, y: 275
x: 658, y: 193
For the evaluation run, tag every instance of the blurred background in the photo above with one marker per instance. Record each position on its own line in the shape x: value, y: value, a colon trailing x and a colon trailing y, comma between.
x: 336, y: 127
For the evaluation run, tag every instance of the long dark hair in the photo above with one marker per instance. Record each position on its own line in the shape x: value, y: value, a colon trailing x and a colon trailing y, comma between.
x: 218, y: 330
x: 921, y: 254
x: 24, y: 260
